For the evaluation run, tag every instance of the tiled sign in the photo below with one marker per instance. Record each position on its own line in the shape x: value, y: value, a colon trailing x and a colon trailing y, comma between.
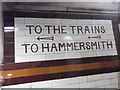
x: 41, y: 39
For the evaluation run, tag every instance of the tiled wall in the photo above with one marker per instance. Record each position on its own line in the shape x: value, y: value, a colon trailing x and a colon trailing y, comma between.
x: 76, y: 79
x: 105, y: 80
x: 23, y: 36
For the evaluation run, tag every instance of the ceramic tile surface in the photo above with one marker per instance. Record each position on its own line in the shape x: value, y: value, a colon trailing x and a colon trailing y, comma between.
x: 41, y: 39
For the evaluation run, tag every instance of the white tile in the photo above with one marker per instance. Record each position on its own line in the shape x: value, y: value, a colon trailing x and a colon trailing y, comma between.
x: 56, y: 87
x: 20, y: 26
x: 109, y: 32
x: 54, y: 56
x: 109, y: 75
x: 79, y: 79
x: 107, y: 37
x: 115, y: 86
x: 87, y: 85
x: 26, y: 85
x: 100, y: 86
x: 79, y: 37
x: 109, y: 86
x: 62, y: 38
x: 106, y: 53
x: 20, y: 52
x: 87, y: 21
x: 59, y: 82
x: 88, y: 54
x: 33, y: 20
x: 19, y: 32
x: 29, y: 33
x: 69, y: 21
x: 74, y: 86
x: 19, y: 59
x: 18, y: 46
x: 42, y: 84
x: 19, y: 39
x: 35, y: 58
x: 51, y: 21
x: 114, y: 81
x: 103, y: 82
x: 73, y: 55
x: 29, y: 39
x: 19, y: 21
x: 95, y: 77
x: 71, y: 86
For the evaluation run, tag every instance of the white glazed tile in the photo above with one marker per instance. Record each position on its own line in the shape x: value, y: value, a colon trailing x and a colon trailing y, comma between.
x: 103, y: 82
x: 33, y: 20
x: 19, y: 59
x: 54, y: 56
x: 110, y: 75
x: 35, y: 58
x: 51, y: 21
x: 20, y: 26
x: 88, y: 54
x: 114, y: 81
x: 73, y: 55
x: 95, y: 77
x: 87, y: 85
x: 79, y: 79
x: 25, y: 85
x: 42, y: 84
x: 19, y: 21
x: 59, y: 82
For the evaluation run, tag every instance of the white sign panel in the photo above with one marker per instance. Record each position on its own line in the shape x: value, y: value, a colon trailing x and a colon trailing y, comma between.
x: 41, y: 39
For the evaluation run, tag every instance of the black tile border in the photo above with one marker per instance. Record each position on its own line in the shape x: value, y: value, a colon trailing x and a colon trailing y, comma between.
x: 49, y: 63
x: 29, y: 79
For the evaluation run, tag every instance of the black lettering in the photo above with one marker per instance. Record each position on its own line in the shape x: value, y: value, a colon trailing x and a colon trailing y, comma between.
x: 48, y: 28
x: 103, y: 44
x: 39, y: 30
x: 25, y: 47
x: 73, y: 28
x: 69, y: 45
x: 45, y: 47
x: 88, y: 45
x: 79, y: 29
x: 63, y: 30
x: 97, y: 29
x: 93, y: 44
x: 33, y: 46
x: 30, y: 28
x: 82, y: 45
x: 56, y: 29
x: 102, y: 29
x: 92, y: 29
x: 61, y: 46
x: 109, y: 45
x: 53, y: 47
x: 98, y: 45
x: 87, y: 29
x: 75, y: 46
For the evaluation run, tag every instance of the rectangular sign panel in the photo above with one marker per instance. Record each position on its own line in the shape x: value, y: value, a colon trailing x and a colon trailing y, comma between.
x: 42, y: 39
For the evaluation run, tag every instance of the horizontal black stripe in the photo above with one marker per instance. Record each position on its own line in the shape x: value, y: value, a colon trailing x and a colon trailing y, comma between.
x: 16, y: 66
x: 29, y: 79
